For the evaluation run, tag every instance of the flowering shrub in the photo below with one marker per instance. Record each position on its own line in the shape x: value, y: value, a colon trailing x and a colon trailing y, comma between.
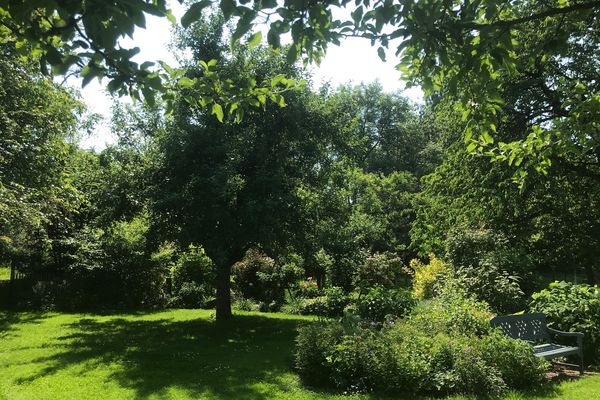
x: 383, y: 270
x: 307, y: 288
x: 260, y: 278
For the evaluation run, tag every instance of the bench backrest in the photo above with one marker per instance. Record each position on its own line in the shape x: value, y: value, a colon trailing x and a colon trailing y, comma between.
x: 530, y: 327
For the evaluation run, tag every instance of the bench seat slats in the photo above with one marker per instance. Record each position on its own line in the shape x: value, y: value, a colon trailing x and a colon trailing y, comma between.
x: 550, y: 351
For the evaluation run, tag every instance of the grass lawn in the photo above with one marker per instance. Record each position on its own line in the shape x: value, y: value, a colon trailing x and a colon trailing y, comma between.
x: 175, y: 354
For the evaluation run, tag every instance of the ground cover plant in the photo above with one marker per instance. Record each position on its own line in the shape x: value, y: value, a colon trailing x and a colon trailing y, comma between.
x: 174, y: 354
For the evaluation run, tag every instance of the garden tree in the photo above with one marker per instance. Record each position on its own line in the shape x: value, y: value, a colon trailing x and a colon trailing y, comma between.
x: 554, y: 93
x: 387, y: 134
x: 38, y: 122
x: 460, y: 45
x: 556, y: 216
x: 118, y: 187
x: 364, y: 203
x: 553, y: 220
x: 232, y: 186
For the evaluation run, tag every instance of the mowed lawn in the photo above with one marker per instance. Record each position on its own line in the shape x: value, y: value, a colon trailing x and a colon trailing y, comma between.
x: 175, y: 354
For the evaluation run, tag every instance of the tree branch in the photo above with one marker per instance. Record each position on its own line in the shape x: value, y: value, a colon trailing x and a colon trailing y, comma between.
x: 548, y: 13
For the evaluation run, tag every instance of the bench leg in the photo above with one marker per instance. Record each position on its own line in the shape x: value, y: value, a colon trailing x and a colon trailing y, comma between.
x: 581, y: 369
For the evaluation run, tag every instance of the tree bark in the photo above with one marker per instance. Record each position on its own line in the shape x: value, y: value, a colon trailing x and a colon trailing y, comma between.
x: 223, y: 303
x: 589, y: 271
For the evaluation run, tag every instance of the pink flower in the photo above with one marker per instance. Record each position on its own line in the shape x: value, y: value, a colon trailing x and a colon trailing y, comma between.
x: 314, y: 283
x: 309, y: 278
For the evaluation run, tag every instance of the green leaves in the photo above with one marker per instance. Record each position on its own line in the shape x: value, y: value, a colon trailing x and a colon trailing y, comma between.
x: 228, y: 8
x: 255, y: 40
x: 194, y: 12
x: 217, y: 111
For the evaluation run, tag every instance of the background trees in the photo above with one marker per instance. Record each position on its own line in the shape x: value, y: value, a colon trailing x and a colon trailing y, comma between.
x: 38, y: 122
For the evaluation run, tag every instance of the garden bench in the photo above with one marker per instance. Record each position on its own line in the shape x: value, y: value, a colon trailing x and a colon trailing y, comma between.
x: 532, y: 328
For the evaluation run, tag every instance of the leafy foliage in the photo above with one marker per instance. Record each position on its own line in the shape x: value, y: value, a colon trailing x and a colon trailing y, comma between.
x: 427, y: 276
x: 383, y: 270
x: 259, y: 278
x: 193, y: 276
x: 38, y: 201
x: 379, y: 304
x: 331, y: 303
x: 471, y: 51
x: 404, y: 357
x: 485, y: 265
x: 573, y: 308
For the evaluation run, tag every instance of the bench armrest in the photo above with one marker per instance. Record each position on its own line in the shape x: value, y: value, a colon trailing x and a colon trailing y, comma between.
x: 577, y: 335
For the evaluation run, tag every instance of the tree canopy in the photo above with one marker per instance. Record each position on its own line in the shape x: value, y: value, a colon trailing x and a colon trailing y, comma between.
x: 467, y: 49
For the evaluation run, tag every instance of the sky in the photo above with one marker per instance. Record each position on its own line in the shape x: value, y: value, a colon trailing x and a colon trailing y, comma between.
x: 354, y: 61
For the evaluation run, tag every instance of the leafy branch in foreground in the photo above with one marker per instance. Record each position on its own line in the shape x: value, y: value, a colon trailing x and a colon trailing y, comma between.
x: 83, y: 38
x: 468, y: 50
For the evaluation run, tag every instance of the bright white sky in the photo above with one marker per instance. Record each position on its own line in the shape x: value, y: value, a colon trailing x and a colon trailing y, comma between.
x: 354, y: 61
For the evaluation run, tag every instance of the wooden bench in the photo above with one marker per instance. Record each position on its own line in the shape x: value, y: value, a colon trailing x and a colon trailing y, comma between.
x: 532, y: 328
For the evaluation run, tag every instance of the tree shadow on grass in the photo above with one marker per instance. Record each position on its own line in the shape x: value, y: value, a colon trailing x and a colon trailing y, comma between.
x: 221, y: 360
x: 10, y: 319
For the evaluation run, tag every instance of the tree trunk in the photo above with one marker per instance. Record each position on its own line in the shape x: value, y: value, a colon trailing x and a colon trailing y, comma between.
x: 223, y: 303
x: 589, y: 271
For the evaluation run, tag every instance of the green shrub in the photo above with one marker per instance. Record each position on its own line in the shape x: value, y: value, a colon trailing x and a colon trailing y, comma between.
x: 314, y: 306
x: 246, y: 305
x: 513, y: 359
x: 453, y: 311
x: 379, y: 303
x: 331, y: 304
x: 314, y: 345
x: 383, y: 270
x: 489, y: 283
x: 428, y: 353
x: 260, y: 278
x: 335, y: 301
x: 193, y: 277
x: 189, y: 295
x: 194, y: 266
x: 490, y: 267
x: 107, y: 269
x: 575, y: 308
x: 473, y: 374
x: 401, y: 363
